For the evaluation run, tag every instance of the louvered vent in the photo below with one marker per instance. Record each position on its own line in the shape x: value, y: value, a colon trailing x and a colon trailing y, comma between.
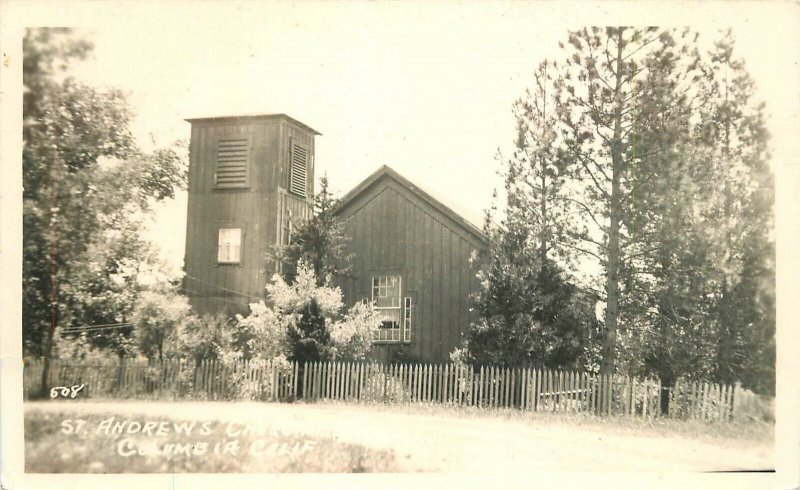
x: 232, y: 158
x: 297, y: 179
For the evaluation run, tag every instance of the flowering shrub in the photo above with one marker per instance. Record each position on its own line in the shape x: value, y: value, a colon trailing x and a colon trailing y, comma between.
x: 266, y: 329
x: 304, y: 321
x: 352, y: 336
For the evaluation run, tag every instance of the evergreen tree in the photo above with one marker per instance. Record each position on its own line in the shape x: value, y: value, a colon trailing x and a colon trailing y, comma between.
x: 529, y: 312
x: 318, y: 241
x: 663, y: 150
x: 623, y: 95
x: 741, y: 201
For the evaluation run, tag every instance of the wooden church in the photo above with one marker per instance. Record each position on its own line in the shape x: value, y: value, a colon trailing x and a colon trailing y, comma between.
x: 251, y: 180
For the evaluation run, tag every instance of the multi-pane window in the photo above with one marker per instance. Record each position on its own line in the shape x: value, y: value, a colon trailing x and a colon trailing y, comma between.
x: 386, y: 298
x: 396, y: 310
x: 229, y: 246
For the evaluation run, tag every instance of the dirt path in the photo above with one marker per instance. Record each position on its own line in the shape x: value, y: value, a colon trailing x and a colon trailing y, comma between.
x: 446, y: 443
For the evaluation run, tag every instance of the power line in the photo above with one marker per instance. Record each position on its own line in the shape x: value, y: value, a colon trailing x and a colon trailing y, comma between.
x: 95, y: 329
x: 99, y: 325
x: 216, y: 298
x: 223, y: 288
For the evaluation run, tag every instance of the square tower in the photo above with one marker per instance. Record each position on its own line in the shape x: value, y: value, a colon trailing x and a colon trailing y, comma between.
x: 250, y: 178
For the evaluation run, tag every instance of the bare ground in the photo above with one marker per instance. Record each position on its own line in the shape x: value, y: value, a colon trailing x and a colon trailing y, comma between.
x: 443, y: 441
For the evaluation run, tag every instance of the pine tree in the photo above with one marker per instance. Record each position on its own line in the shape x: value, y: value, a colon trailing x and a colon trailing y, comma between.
x: 735, y: 137
x: 529, y: 312
x: 319, y: 241
x: 623, y: 95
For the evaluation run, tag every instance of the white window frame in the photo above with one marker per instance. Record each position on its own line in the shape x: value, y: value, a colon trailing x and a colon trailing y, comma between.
x: 408, y: 306
x: 388, y: 334
x: 230, y: 258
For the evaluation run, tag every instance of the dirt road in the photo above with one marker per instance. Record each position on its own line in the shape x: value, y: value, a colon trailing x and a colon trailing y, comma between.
x: 448, y: 443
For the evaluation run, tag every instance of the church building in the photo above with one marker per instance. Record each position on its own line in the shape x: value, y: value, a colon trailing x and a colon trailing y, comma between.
x: 251, y: 178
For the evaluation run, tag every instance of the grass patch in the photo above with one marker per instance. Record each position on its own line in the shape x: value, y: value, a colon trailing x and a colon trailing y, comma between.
x: 51, y: 447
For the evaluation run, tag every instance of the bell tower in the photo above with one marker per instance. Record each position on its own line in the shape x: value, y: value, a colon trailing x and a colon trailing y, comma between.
x: 250, y: 177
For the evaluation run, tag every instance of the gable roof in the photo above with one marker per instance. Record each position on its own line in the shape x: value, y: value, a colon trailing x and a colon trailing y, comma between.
x: 245, y: 117
x: 386, y: 172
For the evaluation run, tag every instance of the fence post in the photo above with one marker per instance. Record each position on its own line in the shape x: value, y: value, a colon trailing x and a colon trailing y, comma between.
x: 737, y: 400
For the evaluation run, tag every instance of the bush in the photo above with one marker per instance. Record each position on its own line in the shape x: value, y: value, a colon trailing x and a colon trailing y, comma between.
x: 209, y: 337
x: 157, y: 317
x: 304, y: 322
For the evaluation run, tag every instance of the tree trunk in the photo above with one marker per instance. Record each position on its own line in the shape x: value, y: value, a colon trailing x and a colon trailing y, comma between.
x: 44, y: 389
x: 667, y: 385
x: 615, y: 212
x: 543, y: 206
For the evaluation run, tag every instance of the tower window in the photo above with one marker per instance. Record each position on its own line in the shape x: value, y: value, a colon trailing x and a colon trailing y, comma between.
x: 229, y: 246
x: 298, y: 173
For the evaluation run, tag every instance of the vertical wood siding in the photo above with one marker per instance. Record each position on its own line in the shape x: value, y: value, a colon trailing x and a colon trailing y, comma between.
x: 392, y: 231
x: 257, y: 209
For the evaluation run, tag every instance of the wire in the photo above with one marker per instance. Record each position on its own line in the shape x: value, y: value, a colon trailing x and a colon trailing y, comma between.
x: 95, y: 329
x: 100, y: 325
x: 223, y: 288
x: 216, y: 298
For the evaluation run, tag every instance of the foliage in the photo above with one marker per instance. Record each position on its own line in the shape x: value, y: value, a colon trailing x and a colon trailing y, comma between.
x: 208, y: 337
x: 87, y: 188
x: 157, y: 319
x: 352, y: 334
x: 265, y: 331
x: 402, y: 354
x: 77, y: 347
x: 644, y: 155
x: 318, y: 241
x: 529, y: 314
x: 304, y: 322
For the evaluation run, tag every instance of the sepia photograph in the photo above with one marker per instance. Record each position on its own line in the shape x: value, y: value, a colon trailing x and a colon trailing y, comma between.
x: 499, y: 242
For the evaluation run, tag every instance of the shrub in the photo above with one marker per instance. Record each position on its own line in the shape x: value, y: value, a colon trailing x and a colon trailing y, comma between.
x: 208, y: 336
x: 157, y: 317
x: 304, y: 322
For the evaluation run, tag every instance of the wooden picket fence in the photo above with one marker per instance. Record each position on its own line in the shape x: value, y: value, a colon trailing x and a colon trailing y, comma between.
x: 525, y: 389
x: 208, y: 379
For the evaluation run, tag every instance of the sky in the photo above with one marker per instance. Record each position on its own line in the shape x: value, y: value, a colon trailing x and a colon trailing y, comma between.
x: 426, y: 90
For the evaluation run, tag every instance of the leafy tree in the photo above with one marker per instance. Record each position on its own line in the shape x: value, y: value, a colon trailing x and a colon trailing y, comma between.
x: 87, y: 188
x: 318, y: 241
x: 157, y: 319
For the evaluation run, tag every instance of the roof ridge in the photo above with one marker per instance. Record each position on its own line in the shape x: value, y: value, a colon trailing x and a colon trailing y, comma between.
x: 429, y: 197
